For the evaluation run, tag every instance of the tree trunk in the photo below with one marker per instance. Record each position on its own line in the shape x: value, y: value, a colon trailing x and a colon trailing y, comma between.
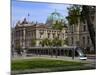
x: 86, y: 10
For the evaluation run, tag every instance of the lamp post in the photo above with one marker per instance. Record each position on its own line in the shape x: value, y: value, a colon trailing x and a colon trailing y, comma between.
x: 73, y: 50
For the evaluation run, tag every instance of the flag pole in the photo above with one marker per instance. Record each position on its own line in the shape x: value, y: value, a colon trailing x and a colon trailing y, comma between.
x: 28, y: 16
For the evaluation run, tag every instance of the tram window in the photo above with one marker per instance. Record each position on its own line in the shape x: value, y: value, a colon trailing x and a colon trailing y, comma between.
x: 76, y: 53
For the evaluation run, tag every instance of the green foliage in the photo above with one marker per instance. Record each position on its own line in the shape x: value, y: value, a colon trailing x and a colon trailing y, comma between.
x: 41, y: 63
x: 56, y: 42
x: 46, y: 42
x: 74, y: 13
x: 83, y: 13
x: 33, y: 43
x: 18, y: 46
x: 66, y: 41
x: 87, y: 10
x: 57, y: 25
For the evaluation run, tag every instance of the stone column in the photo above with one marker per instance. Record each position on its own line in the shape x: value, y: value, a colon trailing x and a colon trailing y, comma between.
x: 24, y: 43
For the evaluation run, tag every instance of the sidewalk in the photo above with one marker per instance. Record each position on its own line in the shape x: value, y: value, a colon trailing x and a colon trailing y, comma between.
x: 65, y: 58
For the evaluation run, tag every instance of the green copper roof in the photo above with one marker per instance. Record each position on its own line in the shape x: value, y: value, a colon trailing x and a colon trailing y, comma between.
x: 55, y: 16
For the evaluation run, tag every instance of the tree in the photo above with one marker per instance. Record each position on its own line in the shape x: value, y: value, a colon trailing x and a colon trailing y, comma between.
x: 79, y: 13
x: 18, y: 48
x: 57, y: 25
x: 45, y: 42
x: 66, y: 41
x: 74, y: 14
x: 56, y: 42
x: 33, y: 43
x: 74, y: 18
x: 87, y: 12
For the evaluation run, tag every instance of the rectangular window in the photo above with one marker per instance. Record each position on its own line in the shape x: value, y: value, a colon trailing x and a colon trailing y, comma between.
x: 48, y: 35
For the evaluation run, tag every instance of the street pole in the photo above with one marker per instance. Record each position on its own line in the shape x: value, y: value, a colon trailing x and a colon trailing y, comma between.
x: 73, y: 50
x: 73, y: 53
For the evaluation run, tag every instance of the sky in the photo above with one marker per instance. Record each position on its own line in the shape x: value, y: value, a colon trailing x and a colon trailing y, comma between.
x: 37, y: 11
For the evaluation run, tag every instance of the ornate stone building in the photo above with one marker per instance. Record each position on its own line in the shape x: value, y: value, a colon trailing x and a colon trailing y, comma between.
x: 79, y: 35
x: 25, y: 32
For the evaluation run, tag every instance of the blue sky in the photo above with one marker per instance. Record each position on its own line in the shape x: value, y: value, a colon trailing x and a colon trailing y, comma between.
x: 38, y: 11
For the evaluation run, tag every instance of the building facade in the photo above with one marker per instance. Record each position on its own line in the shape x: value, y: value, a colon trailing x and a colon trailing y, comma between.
x: 25, y: 32
x: 79, y: 35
